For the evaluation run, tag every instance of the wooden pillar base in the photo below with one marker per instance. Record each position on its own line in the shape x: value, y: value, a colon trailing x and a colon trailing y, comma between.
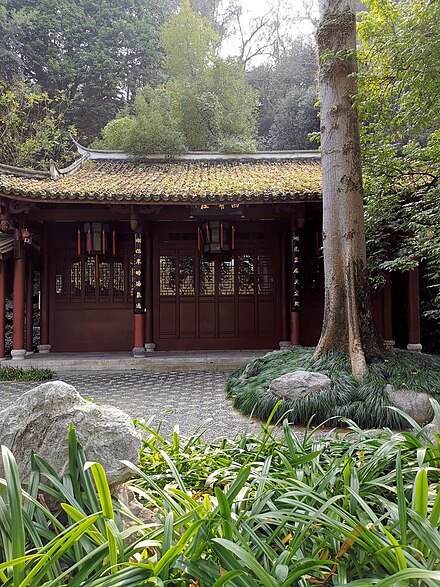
x: 295, y: 329
x: 139, y: 328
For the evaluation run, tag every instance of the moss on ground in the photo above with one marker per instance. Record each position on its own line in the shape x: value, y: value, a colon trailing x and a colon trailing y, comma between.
x: 18, y: 374
x: 365, y: 403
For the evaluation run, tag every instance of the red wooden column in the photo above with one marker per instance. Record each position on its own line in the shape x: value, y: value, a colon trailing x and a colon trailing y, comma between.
x: 285, y: 293
x: 44, y: 346
x: 149, y: 313
x: 2, y: 307
x: 295, y: 280
x: 30, y: 307
x: 414, y: 312
x: 18, y: 349
x: 138, y: 292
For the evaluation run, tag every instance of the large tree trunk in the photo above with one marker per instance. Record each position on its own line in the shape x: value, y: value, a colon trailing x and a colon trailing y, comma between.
x: 348, y: 324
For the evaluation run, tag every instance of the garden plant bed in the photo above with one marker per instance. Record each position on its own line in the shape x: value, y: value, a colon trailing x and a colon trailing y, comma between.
x: 346, y: 398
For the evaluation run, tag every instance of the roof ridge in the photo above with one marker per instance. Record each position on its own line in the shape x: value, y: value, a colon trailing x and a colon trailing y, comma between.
x: 24, y: 172
x: 108, y: 154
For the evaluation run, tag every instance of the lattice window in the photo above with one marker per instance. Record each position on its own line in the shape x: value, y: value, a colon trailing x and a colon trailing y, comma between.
x: 226, y: 281
x: 118, y: 278
x: 167, y: 275
x: 104, y: 278
x: 246, y: 275
x: 265, y: 275
x: 187, y: 275
x: 75, y: 278
x: 59, y: 284
x: 90, y: 276
x: 60, y: 280
x: 207, y: 277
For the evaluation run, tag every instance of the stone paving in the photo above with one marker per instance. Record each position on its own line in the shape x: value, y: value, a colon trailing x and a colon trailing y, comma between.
x: 189, y: 399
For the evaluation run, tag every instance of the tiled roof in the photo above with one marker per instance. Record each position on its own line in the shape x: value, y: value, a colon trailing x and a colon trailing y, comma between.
x: 184, y: 182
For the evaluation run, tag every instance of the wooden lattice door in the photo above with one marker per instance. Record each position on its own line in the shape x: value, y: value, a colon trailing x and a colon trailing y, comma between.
x: 216, y: 301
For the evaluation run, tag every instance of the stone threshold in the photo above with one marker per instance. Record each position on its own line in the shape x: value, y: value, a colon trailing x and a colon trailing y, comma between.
x: 153, y: 362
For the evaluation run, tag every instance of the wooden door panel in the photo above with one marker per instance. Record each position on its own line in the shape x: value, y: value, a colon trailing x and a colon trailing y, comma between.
x: 246, y: 317
x: 265, y: 317
x: 226, y: 318
x: 219, y: 301
x: 187, y: 322
x: 168, y: 318
x: 207, y: 319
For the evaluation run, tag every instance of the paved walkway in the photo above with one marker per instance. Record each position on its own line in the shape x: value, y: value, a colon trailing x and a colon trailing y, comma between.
x: 188, y: 399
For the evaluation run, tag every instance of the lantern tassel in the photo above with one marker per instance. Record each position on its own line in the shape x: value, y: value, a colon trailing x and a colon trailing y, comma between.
x: 79, y: 242
x: 89, y: 242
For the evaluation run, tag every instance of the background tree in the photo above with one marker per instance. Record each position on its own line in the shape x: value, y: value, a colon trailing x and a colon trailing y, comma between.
x: 206, y: 105
x: 99, y: 54
x: 399, y: 104
x: 348, y: 324
x: 288, y: 93
x: 32, y: 128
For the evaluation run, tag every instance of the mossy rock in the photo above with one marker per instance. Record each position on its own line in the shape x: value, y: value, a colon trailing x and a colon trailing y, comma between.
x: 366, y: 403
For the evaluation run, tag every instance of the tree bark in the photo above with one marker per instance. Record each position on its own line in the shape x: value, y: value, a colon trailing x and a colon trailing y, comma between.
x: 348, y: 323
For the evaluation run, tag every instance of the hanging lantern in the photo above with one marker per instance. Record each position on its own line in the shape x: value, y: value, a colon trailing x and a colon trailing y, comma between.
x: 96, y: 236
x: 26, y: 236
x: 216, y: 236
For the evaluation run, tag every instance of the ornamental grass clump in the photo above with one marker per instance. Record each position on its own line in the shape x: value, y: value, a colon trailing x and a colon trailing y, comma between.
x: 364, y: 402
x: 345, y: 508
x: 18, y: 374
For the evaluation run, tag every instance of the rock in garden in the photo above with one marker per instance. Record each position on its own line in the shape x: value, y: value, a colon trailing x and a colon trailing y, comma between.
x: 415, y: 404
x: 39, y: 421
x: 298, y: 384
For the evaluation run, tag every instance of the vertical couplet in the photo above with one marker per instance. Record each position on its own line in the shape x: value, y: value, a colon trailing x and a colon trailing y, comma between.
x: 295, y: 289
x: 138, y: 295
x: 2, y: 307
x: 149, y: 344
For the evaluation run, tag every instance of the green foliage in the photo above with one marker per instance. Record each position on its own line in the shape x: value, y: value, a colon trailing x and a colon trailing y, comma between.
x: 18, y: 374
x: 399, y: 105
x: 98, y: 53
x: 288, y: 94
x: 352, y: 509
x: 206, y: 105
x: 363, y: 402
x: 32, y: 127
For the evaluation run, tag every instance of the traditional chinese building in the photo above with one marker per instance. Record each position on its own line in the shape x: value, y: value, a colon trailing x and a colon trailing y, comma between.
x: 201, y: 251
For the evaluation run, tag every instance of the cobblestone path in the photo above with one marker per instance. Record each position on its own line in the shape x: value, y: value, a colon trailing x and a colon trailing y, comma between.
x: 187, y: 399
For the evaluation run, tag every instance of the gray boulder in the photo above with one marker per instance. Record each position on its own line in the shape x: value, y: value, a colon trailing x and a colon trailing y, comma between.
x: 415, y: 404
x: 39, y: 421
x: 296, y: 385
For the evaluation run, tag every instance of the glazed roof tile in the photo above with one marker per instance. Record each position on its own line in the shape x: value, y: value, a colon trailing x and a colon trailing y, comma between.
x: 180, y: 182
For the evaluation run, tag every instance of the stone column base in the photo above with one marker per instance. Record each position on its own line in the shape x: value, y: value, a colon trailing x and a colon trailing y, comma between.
x: 390, y: 344
x: 150, y: 347
x: 44, y: 349
x: 18, y: 354
x: 414, y: 348
x: 138, y: 352
x: 284, y: 345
